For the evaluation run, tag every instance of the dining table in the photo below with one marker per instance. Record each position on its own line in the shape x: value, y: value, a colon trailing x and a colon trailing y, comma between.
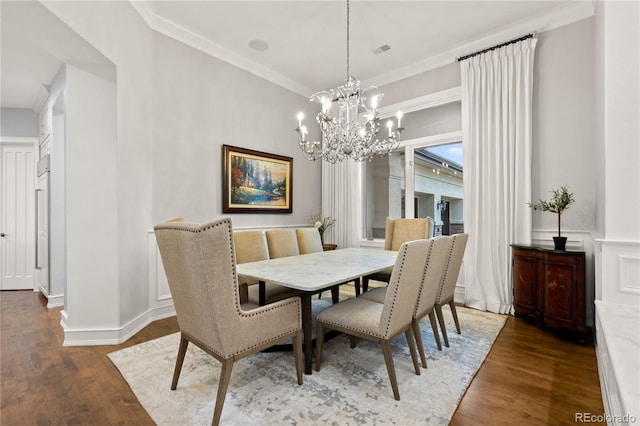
x: 312, y: 273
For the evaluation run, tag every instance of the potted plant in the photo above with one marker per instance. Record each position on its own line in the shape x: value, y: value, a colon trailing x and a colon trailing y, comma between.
x: 560, y: 201
x: 322, y: 223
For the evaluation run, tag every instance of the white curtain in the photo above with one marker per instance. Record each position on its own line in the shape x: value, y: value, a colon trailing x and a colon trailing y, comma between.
x: 496, y: 129
x: 341, y: 199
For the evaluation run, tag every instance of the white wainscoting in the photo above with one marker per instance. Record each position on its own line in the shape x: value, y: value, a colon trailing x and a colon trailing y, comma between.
x: 618, y: 328
x: 160, y: 301
x: 617, y: 349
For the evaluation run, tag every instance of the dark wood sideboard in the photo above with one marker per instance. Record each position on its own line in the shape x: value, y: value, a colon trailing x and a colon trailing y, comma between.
x: 549, y: 285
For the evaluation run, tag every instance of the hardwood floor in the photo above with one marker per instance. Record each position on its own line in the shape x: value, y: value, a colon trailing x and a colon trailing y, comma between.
x: 529, y: 377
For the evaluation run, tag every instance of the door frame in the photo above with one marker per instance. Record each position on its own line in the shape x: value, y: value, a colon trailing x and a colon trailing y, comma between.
x: 34, y: 141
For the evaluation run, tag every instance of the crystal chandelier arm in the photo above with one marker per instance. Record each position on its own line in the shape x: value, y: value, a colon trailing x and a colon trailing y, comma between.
x: 348, y: 121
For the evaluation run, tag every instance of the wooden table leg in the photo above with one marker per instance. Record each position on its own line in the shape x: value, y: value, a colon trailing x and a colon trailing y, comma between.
x: 262, y: 293
x: 356, y: 284
x: 307, y: 331
x: 335, y: 294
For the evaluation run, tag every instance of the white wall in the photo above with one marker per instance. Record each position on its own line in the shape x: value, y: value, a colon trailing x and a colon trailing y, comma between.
x: 91, y: 188
x: 617, y: 64
x: 618, y: 132
x: 57, y: 187
x: 174, y: 107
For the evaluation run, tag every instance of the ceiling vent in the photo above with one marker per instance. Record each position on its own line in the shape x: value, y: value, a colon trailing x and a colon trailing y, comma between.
x: 381, y: 49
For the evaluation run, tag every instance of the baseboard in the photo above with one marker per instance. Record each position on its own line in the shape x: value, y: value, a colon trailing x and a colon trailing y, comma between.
x: 55, y: 301
x: 112, y: 336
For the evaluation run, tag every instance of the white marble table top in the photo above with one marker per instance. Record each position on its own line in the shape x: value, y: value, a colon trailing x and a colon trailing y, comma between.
x: 316, y: 271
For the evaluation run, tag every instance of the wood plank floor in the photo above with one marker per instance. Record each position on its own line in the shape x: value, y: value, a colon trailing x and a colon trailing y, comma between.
x: 529, y: 377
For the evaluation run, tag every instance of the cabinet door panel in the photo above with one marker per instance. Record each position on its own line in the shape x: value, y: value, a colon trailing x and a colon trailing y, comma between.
x: 558, y: 290
x: 524, y: 270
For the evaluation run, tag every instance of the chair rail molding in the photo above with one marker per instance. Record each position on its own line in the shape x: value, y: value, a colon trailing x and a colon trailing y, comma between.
x: 618, y: 273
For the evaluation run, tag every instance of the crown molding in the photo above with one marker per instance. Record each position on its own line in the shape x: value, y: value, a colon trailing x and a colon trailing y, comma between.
x: 568, y: 15
x: 190, y: 38
x: 575, y: 12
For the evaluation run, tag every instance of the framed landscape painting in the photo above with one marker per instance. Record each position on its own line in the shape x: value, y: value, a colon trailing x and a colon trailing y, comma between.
x: 256, y: 182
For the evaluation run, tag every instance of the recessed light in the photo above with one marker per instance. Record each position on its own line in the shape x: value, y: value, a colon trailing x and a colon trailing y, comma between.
x: 259, y: 45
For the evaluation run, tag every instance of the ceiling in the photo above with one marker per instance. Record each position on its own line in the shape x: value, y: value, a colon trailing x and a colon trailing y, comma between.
x: 301, y: 45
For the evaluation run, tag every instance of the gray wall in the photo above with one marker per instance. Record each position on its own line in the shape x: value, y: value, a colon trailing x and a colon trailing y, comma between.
x: 18, y: 122
x: 564, y: 138
x: 564, y: 142
x: 201, y: 103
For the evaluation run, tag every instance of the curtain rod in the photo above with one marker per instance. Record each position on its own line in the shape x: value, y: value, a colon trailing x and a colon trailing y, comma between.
x: 498, y: 46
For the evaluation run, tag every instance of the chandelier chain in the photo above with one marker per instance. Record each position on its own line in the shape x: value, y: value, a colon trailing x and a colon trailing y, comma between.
x: 349, y: 121
x: 348, y: 73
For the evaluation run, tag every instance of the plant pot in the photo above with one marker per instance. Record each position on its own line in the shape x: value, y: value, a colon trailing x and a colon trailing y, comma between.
x: 560, y: 243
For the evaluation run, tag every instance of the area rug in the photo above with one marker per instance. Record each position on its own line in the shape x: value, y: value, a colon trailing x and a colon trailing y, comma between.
x: 352, y: 387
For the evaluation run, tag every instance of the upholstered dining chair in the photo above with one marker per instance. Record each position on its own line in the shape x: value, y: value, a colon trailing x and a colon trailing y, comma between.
x: 309, y: 240
x: 448, y: 283
x: 431, y: 280
x: 382, y: 322
x: 251, y: 246
x: 199, y: 261
x: 282, y: 243
x: 397, y: 232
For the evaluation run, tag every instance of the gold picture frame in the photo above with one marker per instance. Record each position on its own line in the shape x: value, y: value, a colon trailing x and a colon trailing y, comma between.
x: 256, y: 182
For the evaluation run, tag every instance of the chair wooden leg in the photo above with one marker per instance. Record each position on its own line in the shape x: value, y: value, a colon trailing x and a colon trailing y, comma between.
x: 452, y: 305
x: 319, y: 342
x: 415, y: 324
x: 438, y: 309
x: 354, y: 341
x: 225, y: 377
x: 388, y: 360
x: 412, y: 348
x: 297, y: 354
x: 434, y: 327
x: 182, y: 350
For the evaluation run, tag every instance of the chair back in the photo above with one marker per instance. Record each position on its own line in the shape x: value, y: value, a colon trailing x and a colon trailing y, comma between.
x: 432, y: 277
x: 402, y: 293
x: 452, y: 270
x: 199, y: 263
x: 282, y: 243
x: 309, y: 240
x: 399, y: 231
x: 251, y: 246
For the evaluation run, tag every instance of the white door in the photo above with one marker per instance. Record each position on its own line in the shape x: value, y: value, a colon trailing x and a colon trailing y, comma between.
x: 17, y: 215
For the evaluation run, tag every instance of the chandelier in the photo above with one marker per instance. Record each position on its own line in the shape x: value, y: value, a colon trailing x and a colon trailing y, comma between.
x: 349, y: 123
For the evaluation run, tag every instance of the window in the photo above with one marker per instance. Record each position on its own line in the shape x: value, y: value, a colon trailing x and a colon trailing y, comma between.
x: 424, y: 176
x: 437, y: 186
